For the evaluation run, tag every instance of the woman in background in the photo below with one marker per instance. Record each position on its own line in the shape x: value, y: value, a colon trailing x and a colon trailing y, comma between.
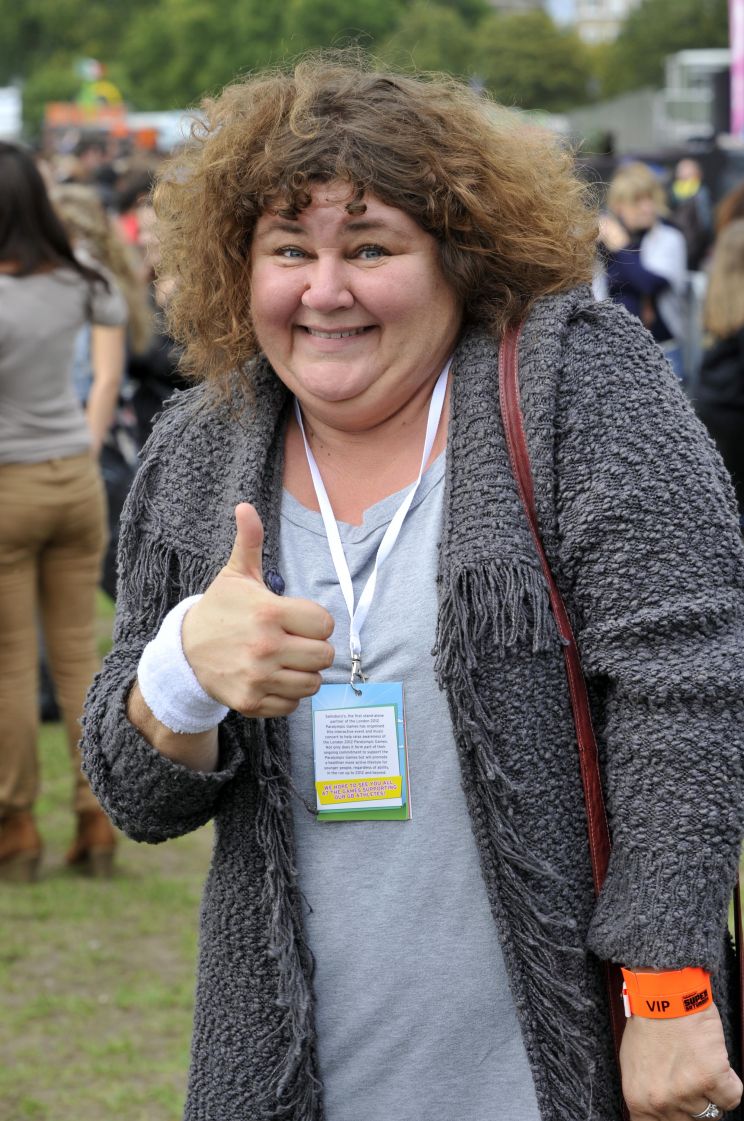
x: 98, y: 242
x: 52, y: 504
x: 644, y: 258
x: 720, y: 392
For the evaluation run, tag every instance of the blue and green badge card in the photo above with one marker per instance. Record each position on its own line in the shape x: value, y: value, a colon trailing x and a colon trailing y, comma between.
x: 359, y: 751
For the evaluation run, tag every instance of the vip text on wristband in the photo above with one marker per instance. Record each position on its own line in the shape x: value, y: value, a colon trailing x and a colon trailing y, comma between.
x: 665, y: 996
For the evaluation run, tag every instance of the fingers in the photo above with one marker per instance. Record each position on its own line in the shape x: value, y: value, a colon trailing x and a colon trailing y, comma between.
x: 280, y: 695
x: 304, y: 618
x: 272, y: 706
x: 246, y: 558
x: 682, y: 1102
x: 306, y: 654
x: 725, y: 1091
x: 293, y: 686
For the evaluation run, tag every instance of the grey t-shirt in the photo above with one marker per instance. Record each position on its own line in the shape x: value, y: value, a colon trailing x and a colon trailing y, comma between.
x: 40, y: 316
x: 415, y: 1017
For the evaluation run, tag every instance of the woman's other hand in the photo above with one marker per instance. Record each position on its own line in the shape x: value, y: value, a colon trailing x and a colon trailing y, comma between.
x: 672, y: 1069
x: 612, y: 233
x: 253, y: 651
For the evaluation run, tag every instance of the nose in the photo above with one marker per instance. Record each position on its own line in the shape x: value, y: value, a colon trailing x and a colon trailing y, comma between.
x: 327, y: 286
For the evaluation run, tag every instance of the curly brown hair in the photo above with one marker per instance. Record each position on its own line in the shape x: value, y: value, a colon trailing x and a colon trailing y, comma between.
x: 512, y: 220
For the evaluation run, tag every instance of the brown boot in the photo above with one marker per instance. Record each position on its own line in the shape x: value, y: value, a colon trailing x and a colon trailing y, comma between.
x: 20, y: 848
x: 92, y: 851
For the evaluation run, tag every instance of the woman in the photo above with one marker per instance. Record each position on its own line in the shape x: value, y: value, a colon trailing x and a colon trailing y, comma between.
x: 339, y: 235
x: 719, y: 399
x: 644, y: 258
x: 52, y: 507
x: 96, y: 240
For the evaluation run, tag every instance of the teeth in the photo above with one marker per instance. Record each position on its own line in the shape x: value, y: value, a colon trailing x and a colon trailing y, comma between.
x: 335, y: 334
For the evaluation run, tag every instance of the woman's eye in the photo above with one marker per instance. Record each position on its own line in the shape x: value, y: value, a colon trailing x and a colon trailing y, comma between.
x: 290, y: 251
x: 370, y: 252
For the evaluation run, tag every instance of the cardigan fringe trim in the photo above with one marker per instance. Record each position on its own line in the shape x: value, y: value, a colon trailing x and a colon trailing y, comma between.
x: 511, y: 605
x: 291, y: 1089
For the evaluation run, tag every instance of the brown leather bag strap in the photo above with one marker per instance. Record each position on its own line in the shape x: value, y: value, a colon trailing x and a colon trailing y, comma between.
x: 598, y: 830
x: 597, y: 827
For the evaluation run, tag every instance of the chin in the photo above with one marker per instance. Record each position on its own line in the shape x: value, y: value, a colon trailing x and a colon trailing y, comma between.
x: 332, y: 390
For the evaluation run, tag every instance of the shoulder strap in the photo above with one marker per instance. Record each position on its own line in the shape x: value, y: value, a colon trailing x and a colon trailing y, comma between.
x: 599, y: 833
x: 597, y: 827
x: 598, y: 830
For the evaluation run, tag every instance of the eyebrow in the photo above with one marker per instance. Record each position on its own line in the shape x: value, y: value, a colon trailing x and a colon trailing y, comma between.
x: 357, y: 225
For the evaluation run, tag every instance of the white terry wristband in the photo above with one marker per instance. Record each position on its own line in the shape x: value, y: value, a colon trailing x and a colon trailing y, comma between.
x: 168, y: 684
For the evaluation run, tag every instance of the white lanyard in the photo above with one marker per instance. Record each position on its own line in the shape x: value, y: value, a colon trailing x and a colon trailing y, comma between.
x: 358, y: 614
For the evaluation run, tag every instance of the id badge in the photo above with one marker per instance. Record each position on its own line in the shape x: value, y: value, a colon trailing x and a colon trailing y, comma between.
x: 359, y: 752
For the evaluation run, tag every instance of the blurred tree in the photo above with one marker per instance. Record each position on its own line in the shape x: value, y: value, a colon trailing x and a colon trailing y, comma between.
x: 36, y: 31
x: 174, y: 53
x: 655, y: 29
x: 317, y: 23
x: 168, y: 53
x: 431, y: 37
x: 526, y: 60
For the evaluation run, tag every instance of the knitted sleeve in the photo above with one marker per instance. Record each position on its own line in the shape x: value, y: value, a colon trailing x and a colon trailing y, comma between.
x: 146, y: 795
x: 654, y: 571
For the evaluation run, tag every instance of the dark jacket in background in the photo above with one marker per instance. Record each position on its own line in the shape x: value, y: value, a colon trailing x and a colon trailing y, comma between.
x: 720, y: 403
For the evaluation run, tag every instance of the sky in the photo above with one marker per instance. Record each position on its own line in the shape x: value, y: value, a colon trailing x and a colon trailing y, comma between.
x: 560, y: 9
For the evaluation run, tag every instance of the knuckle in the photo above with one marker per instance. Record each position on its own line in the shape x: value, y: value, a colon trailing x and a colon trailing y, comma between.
x: 263, y: 647
x: 251, y: 701
x: 659, y: 1099
x: 634, y: 1102
x: 710, y: 1083
x: 266, y: 613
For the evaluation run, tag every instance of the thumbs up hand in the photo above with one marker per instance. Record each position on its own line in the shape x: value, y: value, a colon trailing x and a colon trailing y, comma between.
x: 251, y: 650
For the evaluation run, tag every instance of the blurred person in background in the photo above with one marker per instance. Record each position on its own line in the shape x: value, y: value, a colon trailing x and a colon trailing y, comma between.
x: 692, y: 210
x: 719, y: 397
x: 52, y: 502
x: 153, y: 370
x: 133, y: 191
x: 730, y: 208
x: 95, y: 239
x: 94, y: 166
x: 643, y: 258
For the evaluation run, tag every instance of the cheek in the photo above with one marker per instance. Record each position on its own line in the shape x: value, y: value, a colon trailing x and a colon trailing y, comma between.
x: 274, y: 298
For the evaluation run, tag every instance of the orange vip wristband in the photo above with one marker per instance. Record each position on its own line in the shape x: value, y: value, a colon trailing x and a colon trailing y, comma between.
x: 665, y: 996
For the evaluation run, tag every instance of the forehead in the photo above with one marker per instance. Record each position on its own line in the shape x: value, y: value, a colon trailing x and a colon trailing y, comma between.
x: 337, y: 205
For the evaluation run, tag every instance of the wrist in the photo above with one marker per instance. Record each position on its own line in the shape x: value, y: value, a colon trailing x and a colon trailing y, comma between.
x: 168, y: 684
x: 666, y: 994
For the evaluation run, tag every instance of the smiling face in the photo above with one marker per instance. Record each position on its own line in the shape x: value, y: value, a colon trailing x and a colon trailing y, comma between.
x: 352, y: 311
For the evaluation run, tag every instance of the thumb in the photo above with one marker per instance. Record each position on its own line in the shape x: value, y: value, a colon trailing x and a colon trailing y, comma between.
x: 246, y: 557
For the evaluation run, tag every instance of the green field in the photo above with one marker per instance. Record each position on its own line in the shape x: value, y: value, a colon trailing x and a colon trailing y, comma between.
x: 97, y: 977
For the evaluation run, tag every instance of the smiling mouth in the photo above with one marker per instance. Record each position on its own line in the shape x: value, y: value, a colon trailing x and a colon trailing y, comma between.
x: 342, y: 334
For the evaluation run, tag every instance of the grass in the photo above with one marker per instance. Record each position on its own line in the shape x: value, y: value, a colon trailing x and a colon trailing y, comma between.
x: 97, y: 977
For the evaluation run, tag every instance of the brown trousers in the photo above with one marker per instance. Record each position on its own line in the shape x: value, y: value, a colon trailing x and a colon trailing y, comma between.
x: 52, y: 540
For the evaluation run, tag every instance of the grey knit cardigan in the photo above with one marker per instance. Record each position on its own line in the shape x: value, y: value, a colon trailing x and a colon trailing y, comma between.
x: 639, y: 522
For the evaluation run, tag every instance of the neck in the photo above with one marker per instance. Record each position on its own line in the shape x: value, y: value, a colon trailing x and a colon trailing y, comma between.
x: 362, y: 466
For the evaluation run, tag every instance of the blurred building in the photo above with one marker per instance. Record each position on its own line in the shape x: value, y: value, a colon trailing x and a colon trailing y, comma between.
x: 693, y: 107
x: 598, y: 21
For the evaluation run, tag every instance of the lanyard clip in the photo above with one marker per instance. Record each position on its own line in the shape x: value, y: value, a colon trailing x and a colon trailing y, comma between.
x: 356, y: 673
